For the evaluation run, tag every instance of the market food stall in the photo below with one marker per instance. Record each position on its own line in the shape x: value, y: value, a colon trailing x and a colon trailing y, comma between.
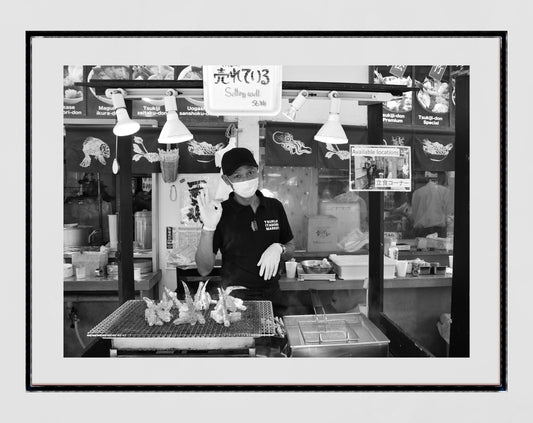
x: 375, y: 97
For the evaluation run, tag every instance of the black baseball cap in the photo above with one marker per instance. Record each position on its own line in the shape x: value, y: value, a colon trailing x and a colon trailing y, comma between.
x: 235, y: 158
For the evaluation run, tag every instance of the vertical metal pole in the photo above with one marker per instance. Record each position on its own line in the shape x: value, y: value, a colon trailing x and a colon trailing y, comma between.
x: 460, y: 309
x: 126, y: 288
x: 375, y: 223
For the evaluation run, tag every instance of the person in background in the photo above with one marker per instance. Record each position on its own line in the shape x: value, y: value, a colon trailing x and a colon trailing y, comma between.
x: 430, y: 208
x: 251, y: 231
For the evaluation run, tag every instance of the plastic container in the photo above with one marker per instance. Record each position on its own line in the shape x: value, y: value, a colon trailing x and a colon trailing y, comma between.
x: 356, y: 266
x: 393, y: 250
x: 143, y: 229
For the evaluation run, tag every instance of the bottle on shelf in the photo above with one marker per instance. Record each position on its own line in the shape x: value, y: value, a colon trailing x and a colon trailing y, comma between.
x: 393, y: 250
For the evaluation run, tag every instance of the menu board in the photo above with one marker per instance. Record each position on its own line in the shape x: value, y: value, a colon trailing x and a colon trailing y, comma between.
x: 151, y: 108
x: 74, y: 98
x: 191, y: 110
x: 398, y: 111
x: 431, y: 105
x: 100, y: 106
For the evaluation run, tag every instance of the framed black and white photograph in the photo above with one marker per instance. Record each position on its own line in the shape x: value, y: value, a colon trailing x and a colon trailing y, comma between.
x: 333, y: 242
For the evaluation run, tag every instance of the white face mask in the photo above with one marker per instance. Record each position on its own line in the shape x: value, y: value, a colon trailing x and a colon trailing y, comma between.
x: 246, y: 189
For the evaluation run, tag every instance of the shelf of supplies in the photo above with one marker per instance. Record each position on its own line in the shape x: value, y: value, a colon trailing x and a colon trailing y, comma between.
x: 71, y: 284
x: 429, y: 281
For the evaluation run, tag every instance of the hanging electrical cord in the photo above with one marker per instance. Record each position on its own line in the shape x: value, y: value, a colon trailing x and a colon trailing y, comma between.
x: 74, y: 319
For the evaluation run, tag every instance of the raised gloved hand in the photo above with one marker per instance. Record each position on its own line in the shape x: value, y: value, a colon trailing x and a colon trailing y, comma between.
x: 210, y: 211
x: 269, y: 261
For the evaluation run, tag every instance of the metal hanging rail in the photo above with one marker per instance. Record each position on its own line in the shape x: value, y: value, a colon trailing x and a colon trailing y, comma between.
x: 194, y: 89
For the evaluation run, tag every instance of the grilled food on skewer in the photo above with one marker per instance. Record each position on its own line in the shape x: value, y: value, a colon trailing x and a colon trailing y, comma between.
x: 202, y: 299
x: 188, y: 313
x: 226, y: 308
x: 156, y: 314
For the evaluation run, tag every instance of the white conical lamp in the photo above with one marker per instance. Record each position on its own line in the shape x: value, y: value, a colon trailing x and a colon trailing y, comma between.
x: 124, y: 126
x: 174, y: 131
x: 331, y: 132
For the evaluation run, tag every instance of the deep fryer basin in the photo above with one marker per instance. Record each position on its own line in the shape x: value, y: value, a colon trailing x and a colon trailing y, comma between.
x: 334, y: 335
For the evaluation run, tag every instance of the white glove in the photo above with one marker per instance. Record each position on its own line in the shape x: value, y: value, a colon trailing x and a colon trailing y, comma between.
x: 210, y: 211
x: 269, y: 261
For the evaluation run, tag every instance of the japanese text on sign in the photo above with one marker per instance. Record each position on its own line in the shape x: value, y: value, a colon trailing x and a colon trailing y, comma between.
x: 245, y: 75
x: 437, y: 72
x: 233, y: 90
x: 380, y: 168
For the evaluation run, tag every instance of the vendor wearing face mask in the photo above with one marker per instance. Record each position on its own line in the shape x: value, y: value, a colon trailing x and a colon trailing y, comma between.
x: 250, y: 230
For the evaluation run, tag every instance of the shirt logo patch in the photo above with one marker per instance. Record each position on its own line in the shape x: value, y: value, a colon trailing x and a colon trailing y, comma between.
x: 272, y: 225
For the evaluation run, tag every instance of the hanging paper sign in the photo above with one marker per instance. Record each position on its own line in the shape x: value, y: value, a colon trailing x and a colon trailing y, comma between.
x: 290, y: 145
x: 434, y: 152
x: 74, y: 98
x: 380, y: 168
x: 93, y: 150
x: 101, y: 106
x: 189, y: 188
x: 437, y: 72
x: 337, y: 156
x: 398, y: 70
x: 242, y: 90
x: 432, y: 100
x: 397, y: 111
x: 198, y: 155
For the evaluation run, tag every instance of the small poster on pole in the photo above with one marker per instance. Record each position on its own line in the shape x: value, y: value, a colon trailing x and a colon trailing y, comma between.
x: 380, y: 168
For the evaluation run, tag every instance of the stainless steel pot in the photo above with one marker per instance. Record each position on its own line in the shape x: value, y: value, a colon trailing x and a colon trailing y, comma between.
x: 75, y: 235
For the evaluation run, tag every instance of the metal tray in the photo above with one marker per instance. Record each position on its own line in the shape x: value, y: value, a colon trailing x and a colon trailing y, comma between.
x: 334, y: 335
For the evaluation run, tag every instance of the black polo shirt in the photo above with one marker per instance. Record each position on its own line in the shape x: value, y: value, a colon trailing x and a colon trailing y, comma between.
x: 242, y: 246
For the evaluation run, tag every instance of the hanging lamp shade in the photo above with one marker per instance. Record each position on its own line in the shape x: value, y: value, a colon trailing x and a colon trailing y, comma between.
x: 174, y: 131
x: 332, y: 132
x: 124, y: 126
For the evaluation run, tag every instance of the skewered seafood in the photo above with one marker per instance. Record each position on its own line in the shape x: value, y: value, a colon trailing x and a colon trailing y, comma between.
x: 226, y: 308
x: 188, y: 313
x: 157, y: 313
x: 170, y: 297
x: 202, y: 299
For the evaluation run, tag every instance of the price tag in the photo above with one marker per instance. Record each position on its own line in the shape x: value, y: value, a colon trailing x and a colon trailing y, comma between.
x: 437, y: 72
x: 242, y: 90
x: 398, y: 70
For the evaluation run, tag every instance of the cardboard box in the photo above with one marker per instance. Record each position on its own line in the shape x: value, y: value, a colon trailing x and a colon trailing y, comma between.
x: 347, y: 214
x: 321, y: 234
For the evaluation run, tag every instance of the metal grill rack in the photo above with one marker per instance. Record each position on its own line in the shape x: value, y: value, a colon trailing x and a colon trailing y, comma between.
x: 128, y: 330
